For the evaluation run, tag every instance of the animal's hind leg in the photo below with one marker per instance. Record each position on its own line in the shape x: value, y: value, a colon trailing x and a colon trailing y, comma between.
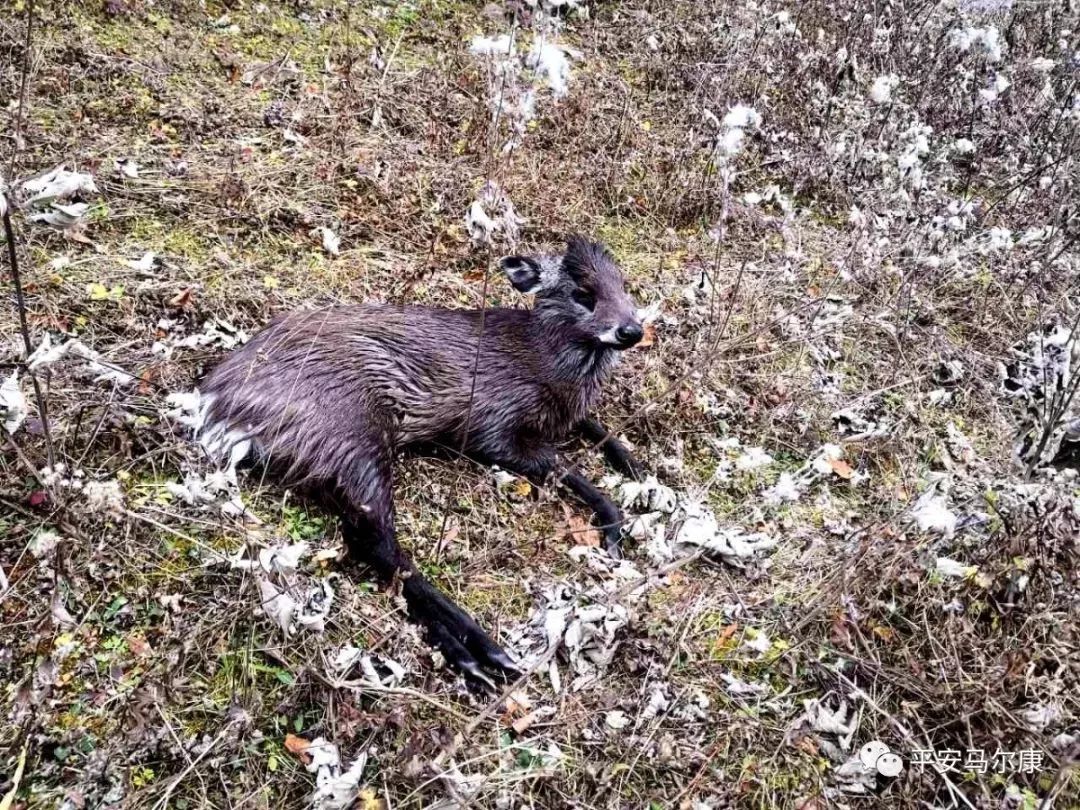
x: 367, y: 507
x: 454, y: 632
x: 616, y: 453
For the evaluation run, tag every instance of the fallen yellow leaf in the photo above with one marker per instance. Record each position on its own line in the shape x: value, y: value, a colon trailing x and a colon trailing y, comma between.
x: 521, y: 725
x: 368, y: 799
x: 295, y: 744
x: 841, y: 468
x: 649, y: 338
x: 579, y: 531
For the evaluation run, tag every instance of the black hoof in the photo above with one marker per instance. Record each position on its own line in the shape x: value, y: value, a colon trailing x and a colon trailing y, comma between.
x: 464, y: 645
x: 481, y: 661
x: 613, y: 543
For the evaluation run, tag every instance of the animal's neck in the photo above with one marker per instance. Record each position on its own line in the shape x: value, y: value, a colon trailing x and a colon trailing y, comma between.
x: 570, y: 356
x: 583, y: 363
x: 572, y: 379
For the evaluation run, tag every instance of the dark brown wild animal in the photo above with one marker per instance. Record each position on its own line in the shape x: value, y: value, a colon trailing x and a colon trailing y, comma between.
x: 327, y: 398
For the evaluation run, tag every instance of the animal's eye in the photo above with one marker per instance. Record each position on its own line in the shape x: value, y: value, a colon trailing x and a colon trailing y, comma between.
x: 584, y: 298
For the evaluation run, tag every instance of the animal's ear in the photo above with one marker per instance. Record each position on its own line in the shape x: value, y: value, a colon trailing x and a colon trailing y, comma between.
x: 524, y: 273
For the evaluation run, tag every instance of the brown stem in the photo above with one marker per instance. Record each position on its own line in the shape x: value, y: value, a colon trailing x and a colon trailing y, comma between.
x: 24, y: 83
x: 20, y: 303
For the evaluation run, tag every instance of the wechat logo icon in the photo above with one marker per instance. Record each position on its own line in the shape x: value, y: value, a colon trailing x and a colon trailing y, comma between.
x: 876, y: 756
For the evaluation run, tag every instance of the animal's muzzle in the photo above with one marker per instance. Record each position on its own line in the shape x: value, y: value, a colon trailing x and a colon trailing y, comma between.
x: 628, y: 335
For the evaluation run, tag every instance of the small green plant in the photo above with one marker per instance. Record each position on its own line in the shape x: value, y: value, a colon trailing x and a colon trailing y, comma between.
x: 301, y: 524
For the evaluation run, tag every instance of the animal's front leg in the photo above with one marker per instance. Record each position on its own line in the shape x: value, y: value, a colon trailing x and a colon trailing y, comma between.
x: 616, y: 453
x: 608, y: 517
x: 538, y: 464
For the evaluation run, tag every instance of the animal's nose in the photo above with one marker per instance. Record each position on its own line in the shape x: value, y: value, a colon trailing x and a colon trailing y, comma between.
x: 629, y: 334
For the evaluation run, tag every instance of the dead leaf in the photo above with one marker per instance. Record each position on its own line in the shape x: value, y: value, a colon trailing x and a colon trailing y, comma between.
x: 884, y: 633
x: 579, y: 531
x: 183, y: 299
x: 649, y: 338
x: 841, y: 468
x: 368, y: 799
x: 521, y: 725
x: 139, y: 646
x: 295, y: 744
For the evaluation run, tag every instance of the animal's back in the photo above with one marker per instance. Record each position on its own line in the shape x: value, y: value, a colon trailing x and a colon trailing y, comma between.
x: 313, y: 381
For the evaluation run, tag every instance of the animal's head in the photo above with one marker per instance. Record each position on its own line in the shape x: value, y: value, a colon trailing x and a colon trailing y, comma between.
x: 583, y: 289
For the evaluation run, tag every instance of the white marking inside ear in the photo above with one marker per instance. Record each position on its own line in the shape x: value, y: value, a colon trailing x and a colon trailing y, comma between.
x: 608, y: 336
x: 550, y: 271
